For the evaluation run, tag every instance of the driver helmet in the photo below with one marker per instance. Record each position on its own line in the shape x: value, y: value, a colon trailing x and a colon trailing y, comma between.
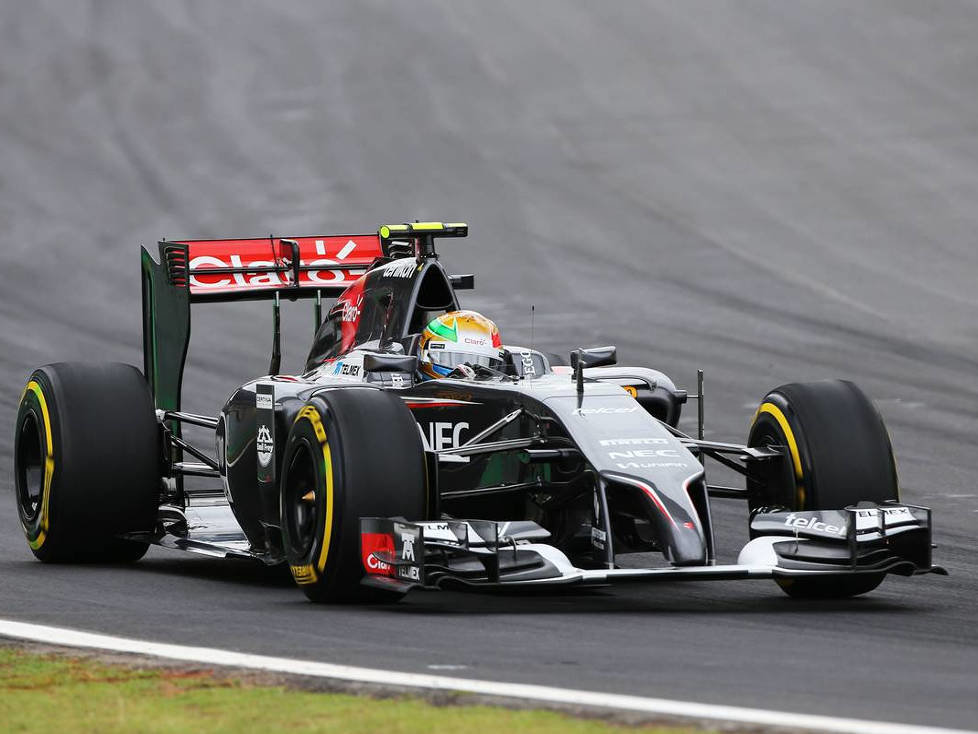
x: 455, y: 338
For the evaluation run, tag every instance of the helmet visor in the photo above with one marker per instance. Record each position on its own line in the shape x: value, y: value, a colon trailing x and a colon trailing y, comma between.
x: 452, y: 359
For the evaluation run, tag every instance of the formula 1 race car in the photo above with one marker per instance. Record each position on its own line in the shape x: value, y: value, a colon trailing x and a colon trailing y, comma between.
x: 369, y: 481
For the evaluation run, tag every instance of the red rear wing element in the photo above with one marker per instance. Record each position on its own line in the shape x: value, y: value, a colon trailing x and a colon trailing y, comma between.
x: 225, y: 270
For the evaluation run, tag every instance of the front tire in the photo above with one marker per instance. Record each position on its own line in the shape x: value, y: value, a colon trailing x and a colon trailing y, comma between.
x: 86, y: 462
x: 351, y: 453
x: 839, y: 454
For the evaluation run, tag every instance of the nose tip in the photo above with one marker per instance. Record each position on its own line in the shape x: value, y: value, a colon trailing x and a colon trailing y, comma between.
x: 686, y: 546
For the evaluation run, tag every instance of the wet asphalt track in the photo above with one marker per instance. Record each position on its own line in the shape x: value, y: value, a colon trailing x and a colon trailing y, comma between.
x: 772, y: 191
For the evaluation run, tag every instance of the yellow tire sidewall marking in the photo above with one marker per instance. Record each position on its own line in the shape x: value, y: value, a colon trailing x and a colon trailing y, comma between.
x: 775, y: 412
x: 310, y: 414
x: 303, y: 574
x: 34, y: 387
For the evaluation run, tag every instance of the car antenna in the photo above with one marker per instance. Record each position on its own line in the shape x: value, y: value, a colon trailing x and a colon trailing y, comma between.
x: 533, y: 310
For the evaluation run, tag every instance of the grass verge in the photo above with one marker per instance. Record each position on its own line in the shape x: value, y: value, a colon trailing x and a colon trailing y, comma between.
x: 57, y: 693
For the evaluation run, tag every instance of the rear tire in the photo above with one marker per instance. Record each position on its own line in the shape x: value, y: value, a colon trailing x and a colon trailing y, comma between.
x: 839, y: 453
x: 351, y: 453
x: 86, y: 462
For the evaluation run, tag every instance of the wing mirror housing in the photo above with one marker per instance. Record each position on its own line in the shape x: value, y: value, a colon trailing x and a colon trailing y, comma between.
x: 407, y: 363
x: 594, y: 357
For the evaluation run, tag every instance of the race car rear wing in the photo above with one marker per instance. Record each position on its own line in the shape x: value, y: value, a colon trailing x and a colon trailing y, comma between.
x: 232, y: 270
x: 196, y: 271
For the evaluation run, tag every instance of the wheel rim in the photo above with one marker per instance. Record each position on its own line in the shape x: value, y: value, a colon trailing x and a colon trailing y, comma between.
x: 301, y: 502
x: 30, y: 467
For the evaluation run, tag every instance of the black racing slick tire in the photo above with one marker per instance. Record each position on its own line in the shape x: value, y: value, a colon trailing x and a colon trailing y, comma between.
x: 351, y: 453
x: 839, y: 454
x: 86, y: 462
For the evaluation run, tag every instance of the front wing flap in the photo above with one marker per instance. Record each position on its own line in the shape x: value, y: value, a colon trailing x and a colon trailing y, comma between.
x: 401, y: 555
x: 864, y: 538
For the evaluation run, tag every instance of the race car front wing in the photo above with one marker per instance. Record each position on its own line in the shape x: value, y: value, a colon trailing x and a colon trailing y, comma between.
x: 864, y: 539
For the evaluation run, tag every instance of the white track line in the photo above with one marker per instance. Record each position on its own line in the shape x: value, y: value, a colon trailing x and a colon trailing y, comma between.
x: 655, y: 706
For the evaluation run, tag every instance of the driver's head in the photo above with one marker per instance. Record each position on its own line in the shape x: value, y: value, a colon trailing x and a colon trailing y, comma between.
x: 459, y: 337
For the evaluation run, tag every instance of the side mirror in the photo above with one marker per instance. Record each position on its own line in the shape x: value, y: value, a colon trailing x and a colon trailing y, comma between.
x: 390, y: 363
x: 594, y: 357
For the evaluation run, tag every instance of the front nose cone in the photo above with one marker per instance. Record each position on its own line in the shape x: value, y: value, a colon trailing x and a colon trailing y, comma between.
x: 686, y: 545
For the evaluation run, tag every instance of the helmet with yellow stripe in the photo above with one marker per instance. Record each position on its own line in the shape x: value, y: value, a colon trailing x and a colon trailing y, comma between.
x: 459, y: 337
